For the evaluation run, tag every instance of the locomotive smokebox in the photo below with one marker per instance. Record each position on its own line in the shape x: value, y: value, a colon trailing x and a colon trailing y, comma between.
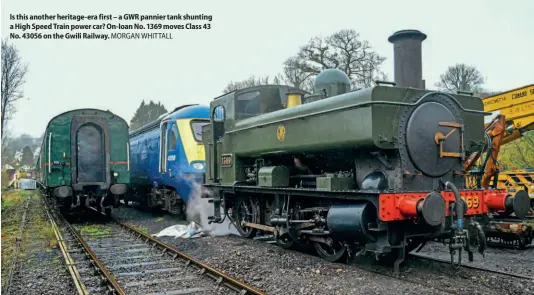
x: 408, y: 59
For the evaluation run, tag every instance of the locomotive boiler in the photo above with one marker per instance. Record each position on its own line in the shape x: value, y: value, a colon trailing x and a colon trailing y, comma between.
x: 377, y: 170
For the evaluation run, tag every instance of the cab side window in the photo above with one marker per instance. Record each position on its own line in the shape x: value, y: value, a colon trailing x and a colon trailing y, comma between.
x: 248, y: 104
x: 218, y: 122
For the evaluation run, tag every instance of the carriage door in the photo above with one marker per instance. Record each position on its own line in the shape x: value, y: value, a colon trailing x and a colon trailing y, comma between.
x: 90, y: 155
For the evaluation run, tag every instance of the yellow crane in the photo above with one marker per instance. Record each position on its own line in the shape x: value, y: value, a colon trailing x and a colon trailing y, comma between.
x: 517, y: 106
x: 514, y: 110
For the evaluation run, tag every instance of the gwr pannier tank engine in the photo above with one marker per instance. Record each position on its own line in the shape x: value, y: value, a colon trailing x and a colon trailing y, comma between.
x: 374, y: 170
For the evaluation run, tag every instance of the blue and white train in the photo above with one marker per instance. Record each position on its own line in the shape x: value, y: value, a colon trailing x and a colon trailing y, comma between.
x: 168, y: 159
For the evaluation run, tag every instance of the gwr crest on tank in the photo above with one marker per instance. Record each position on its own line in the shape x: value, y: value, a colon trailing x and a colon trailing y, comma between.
x: 281, y: 132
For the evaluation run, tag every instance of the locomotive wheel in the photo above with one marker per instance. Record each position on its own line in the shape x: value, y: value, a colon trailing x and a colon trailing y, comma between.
x: 244, y: 212
x: 333, y: 253
x: 285, y: 241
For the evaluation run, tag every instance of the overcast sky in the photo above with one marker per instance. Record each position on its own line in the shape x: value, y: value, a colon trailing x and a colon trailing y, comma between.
x: 253, y: 37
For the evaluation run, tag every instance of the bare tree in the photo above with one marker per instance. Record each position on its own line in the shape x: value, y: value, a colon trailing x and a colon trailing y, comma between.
x: 295, y: 75
x: 252, y: 81
x: 342, y: 50
x: 6, y: 141
x: 13, y: 78
x: 461, y: 77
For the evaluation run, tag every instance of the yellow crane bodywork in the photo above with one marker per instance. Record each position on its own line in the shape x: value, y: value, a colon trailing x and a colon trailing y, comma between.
x: 517, y: 107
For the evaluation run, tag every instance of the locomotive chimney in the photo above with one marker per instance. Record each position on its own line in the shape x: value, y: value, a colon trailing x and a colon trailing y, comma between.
x: 408, y: 58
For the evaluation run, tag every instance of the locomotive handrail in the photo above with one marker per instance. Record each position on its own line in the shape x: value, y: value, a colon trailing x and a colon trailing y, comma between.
x: 128, y: 155
x: 50, y: 152
x: 363, y: 104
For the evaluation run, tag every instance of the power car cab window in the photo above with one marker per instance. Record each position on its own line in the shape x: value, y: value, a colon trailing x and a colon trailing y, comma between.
x: 196, y: 127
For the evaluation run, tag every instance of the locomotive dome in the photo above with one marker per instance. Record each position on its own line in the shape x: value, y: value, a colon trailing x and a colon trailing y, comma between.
x: 332, y: 81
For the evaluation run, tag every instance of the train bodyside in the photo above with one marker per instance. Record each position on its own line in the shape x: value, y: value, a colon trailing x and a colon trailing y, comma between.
x: 84, y: 160
x: 168, y: 159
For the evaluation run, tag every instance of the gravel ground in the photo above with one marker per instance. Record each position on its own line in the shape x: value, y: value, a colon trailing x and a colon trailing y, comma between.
x: 41, y: 268
x: 277, y: 271
x: 510, y: 260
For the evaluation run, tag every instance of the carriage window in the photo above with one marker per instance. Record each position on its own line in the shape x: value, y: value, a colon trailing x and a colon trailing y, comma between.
x: 173, y: 137
x: 196, y: 127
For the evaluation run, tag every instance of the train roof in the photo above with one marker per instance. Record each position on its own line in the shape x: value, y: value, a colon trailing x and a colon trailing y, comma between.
x: 188, y: 111
x: 256, y: 87
x: 81, y: 111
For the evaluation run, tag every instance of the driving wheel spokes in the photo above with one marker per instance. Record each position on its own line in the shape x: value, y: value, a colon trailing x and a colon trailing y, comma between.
x: 245, y: 212
x: 333, y: 253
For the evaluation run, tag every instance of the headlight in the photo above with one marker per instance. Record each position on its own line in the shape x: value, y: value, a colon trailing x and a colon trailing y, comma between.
x: 198, y: 166
x: 115, y: 174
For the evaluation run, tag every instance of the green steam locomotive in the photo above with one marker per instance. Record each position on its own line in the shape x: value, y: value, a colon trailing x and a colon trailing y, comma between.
x: 377, y: 170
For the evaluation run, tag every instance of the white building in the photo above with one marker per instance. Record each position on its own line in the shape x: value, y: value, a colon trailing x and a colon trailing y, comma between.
x: 18, y: 155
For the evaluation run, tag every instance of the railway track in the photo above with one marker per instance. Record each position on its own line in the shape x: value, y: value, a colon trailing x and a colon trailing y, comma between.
x: 464, y: 265
x: 14, y: 264
x: 111, y: 257
x: 388, y: 272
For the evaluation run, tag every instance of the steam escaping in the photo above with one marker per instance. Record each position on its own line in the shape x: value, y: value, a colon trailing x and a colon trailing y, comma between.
x: 198, y: 210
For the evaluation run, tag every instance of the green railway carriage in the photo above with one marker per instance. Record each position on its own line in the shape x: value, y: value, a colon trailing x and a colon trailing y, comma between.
x: 84, y: 160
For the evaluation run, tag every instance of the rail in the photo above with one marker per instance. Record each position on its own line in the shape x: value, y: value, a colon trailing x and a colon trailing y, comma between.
x: 71, y: 265
x: 500, y: 272
x: 112, y: 283
x: 212, y: 273
x: 114, y: 288
x: 15, y: 255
